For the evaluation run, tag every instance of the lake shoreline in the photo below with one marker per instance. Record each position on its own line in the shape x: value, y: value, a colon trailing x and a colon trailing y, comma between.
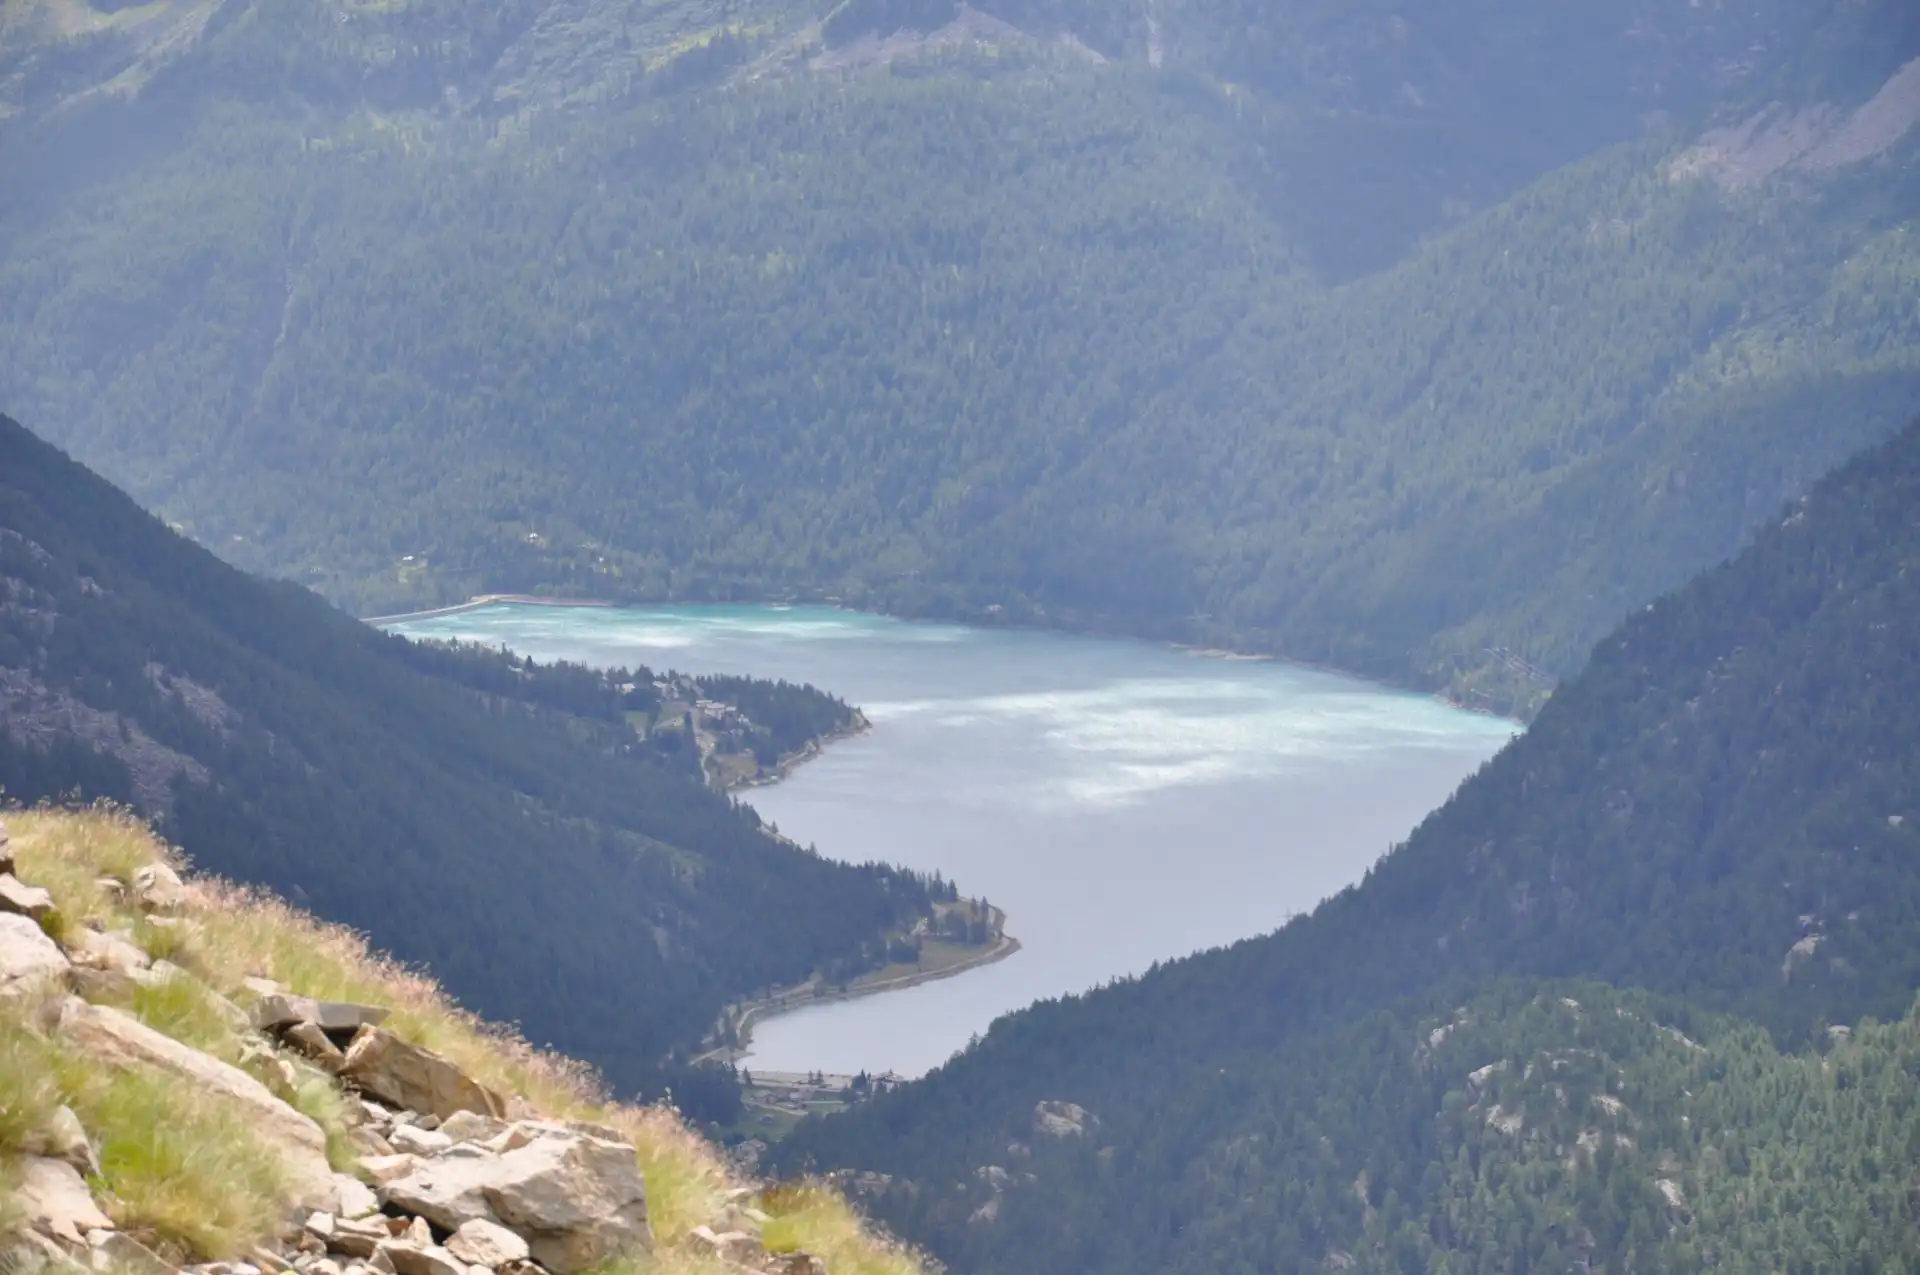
x: 816, y: 747
x: 792, y: 1000
x: 481, y: 600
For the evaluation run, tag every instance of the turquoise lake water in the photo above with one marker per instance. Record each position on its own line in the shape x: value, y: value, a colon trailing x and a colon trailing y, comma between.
x: 1125, y: 802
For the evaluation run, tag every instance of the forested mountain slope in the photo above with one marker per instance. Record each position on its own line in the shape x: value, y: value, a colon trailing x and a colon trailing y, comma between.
x: 1424, y: 344
x: 1720, y: 808
x: 494, y: 823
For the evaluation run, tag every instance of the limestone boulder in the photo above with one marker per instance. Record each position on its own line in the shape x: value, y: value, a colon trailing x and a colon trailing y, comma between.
x: 30, y: 962
x: 484, y: 1243
x: 314, y: 1043
x: 124, y: 1042
x: 448, y: 1192
x: 53, y: 1199
x: 573, y: 1198
x: 577, y: 1201
x: 282, y: 1009
x: 158, y: 888
x: 471, y: 1126
x: 63, y: 1138
x: 414, y: 1079
x: 388, y: 1167
x: 109, y: 953
x: 18, y: 897
x: 409, y: 1257
x: 353, y: 1198
x: 420, y: 1142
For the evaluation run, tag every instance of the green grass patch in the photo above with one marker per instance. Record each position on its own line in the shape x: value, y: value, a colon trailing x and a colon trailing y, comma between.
x: 178, y: 1164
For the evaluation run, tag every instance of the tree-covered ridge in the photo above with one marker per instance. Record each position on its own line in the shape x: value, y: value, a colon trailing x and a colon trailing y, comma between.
x: 1026, y: 335
x: 1720, y: 808
x: 524, y: 845
x: 751, y: 723
x: 1534, y: 1127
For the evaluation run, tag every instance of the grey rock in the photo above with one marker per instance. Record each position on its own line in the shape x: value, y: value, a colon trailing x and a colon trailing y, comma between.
x: 311, y: 1041
x: 119, y: 1252
x: 407, y: 1257
x: 414, y: 1079
x: 416, y: 1141
x: 281, y: 1009
x: 577, y: 1201
x: 471, y: 1126
x: 357, y: 1239
x: 736, y: 1247
x: 30, y: 962
x: 53, y: 1199
x: 353, y: 1197
x: 484, y: 1243
x: 384, y: 1169
x: 112, y: 953
x: 63, y: 1138
x: 158, y: 888
x: 447, y: 1192
x: 26, y: 900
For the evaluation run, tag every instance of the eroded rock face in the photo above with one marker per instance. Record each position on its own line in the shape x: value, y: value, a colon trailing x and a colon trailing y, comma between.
x: 121, y: 1041
x: 574, y: 1198
x: 1063, y: 1120
x: 578, y: 1201
x: 29, y: 960
x: 414, y: 1079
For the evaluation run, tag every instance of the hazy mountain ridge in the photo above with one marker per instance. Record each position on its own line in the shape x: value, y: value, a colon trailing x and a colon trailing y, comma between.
x: 656, y: 303
x: 1717, y: 808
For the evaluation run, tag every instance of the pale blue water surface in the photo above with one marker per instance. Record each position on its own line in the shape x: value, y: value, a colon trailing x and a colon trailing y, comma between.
x: 1125, y: 802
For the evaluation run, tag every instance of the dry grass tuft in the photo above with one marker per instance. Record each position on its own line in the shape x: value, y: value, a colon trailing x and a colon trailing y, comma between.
x: 813, y: 1218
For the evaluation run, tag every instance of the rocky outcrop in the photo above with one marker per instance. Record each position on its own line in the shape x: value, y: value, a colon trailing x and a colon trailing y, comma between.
x: 414, y: 1079
x: 1052, y: 1119
x: 575, y: 1198
x: 279, y: 1010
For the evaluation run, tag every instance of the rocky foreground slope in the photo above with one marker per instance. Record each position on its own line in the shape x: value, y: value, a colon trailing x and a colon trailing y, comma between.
x: 195, y: 1077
